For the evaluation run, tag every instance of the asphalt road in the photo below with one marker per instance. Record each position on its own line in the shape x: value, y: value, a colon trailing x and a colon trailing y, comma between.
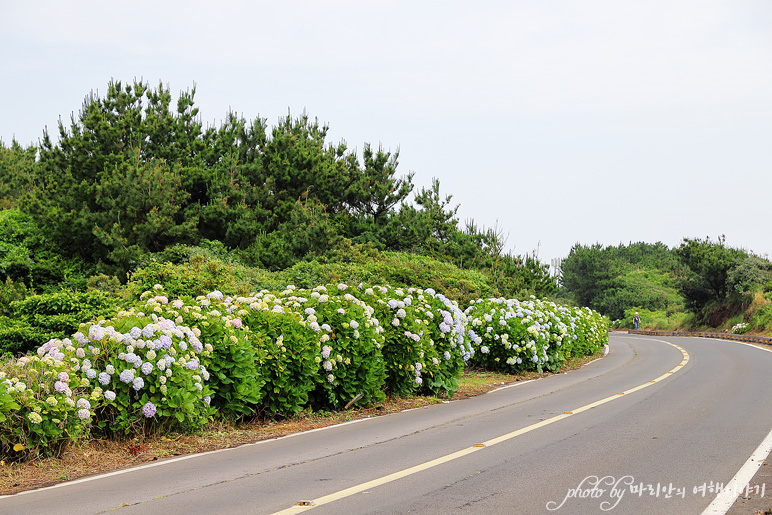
x: 650, y: 428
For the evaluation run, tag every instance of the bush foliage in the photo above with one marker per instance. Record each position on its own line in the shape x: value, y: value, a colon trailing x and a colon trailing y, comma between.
x: 166, y: 365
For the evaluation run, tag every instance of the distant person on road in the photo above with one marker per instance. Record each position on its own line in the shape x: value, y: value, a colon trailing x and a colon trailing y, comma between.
x: 636, y: 320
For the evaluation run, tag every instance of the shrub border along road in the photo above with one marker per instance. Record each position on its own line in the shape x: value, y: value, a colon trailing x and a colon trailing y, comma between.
x: 722, y: 336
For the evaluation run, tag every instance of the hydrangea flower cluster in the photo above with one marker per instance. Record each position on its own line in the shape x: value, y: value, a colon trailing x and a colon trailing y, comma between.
x: 739, y: 328
x: 349, y: 342
x: 425, y: 345
x: 43, y: 405
x: 513, y: 335
x: 134, y: 359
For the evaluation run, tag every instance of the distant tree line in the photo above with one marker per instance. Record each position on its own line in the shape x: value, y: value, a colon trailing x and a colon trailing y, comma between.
x: 706, y: 277
x: 135, y: 173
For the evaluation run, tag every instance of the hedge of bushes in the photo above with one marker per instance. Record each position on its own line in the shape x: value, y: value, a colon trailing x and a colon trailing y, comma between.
x: 174, y: 365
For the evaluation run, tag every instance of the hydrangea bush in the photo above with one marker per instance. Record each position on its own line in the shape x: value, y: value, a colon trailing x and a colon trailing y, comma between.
x: 513, y: 336
x: 289, y: 346
x: 424, y: 348
x: 233, y: 357
x: 44, y: 405
x: 173, y: 365
x: 349, y: 366
x: 740, y: 328
x: 591, y: 331
x: 143, y: 372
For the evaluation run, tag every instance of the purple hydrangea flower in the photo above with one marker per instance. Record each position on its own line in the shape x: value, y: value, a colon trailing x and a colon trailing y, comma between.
x: 104, y: 378
x: 148, y: 409
x: 165, y: 341
x: 195, y: 343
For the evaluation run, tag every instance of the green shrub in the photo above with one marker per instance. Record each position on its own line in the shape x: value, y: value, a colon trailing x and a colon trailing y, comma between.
x: 424, y: 347
x: 200, y: 276
x: 395, y: 268
x: 39, y: 318
x: 665, y: 320
x: 26, y: 256
x: 11, y: 291
x: 514, y: 336
x: 44, y: 406
x: 349, y: 365
x: 17, y: 337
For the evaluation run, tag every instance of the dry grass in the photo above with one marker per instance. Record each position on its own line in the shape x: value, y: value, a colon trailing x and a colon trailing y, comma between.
x: 100, y: 456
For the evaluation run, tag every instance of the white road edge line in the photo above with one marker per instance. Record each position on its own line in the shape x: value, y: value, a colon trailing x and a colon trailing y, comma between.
x: 510, y: 386
x: 727, y: 497
x: 179, y: 458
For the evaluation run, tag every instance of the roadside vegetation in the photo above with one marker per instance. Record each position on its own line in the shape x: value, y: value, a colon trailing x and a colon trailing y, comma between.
x: 701, y: 285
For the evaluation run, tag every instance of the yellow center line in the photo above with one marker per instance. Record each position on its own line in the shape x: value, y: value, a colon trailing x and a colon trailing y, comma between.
x: 302, y: 506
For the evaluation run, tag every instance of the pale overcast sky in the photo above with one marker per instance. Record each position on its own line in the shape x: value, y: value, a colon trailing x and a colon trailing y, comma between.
x: 559, y: 121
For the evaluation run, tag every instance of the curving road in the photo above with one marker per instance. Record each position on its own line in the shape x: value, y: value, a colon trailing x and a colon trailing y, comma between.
x: 651, y: 428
